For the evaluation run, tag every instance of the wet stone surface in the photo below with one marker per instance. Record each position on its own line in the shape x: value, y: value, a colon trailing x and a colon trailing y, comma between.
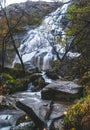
x: 8, y: 118
x: 62, y: 90
x: 40, y: 107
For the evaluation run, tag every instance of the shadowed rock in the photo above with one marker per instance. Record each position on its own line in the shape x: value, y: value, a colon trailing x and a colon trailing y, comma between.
x: 64, y: 90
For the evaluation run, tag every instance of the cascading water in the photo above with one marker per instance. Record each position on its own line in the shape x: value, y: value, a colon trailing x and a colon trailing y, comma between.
x: 37, y: 49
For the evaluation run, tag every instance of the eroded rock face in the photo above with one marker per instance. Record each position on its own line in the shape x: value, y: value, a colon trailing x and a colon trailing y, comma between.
x: 63, y: 91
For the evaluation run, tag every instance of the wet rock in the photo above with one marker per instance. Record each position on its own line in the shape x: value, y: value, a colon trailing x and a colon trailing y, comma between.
x: 40, y: 107
x: 63, y: 91
x: 8, y: 102
x: 23, y: 126
x: 58, y: 124
x: 37, y: 82
x: 29, y: 66
x: 4, y: 102
x: 8, y: 118
x: 4, y: 123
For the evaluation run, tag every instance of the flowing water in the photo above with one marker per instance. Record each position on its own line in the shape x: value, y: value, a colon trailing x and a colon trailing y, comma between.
x: 37, y: 48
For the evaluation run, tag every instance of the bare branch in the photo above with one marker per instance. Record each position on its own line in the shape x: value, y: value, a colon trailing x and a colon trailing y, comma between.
x: 13, y: 41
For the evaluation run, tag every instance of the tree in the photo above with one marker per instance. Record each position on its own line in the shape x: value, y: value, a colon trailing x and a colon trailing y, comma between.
x: 79, y: 28
x: 8, y: 34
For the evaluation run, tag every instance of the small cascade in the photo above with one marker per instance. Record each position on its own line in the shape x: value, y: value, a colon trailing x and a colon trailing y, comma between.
x: 30, y: 87
x: 46, y: 61
x: 47, y: 80
x: 37, y: 49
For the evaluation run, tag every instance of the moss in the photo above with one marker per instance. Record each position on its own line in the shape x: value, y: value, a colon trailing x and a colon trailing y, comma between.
x: 75, y: 116
x: 7, y: 76
x: 12, y: 84
x: 18, y: 66
x: 41, y: 82
x: 15, y: 73
x: 16, y: 80
x: 85, y: 82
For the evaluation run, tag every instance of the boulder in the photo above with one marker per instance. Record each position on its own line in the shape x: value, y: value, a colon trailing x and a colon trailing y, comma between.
x: 62, y: 90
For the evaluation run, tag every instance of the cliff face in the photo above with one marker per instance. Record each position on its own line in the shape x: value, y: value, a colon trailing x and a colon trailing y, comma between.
x: 28, y: 14
x: 31, y: 12
x: 31, y: 7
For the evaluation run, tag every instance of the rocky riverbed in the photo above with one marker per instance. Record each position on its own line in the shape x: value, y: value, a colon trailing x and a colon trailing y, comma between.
x: 40, y: 102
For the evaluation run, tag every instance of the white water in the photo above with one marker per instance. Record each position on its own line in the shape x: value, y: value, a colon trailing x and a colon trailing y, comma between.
x: 6, y: 128
x: 5, y: 117
x: 37, y: 47
x: 47, y: 80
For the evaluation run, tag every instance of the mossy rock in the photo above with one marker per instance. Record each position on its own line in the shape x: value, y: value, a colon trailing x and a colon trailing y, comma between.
x: 12, y: 84
x: 85, y: 82
x: 17, y: 86
x: 15, y: 73
x: 52, y: 74
x: 41, y: 82
x: 18, y: 66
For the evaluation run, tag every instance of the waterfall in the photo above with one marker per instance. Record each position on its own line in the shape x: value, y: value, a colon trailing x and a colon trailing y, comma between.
x: 37, y: 49
x: 46, y: 61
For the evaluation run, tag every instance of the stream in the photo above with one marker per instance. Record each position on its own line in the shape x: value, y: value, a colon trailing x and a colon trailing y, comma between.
x: 37, y: 51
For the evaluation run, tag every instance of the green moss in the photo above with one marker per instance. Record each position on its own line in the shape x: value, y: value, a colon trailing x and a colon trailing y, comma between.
x: 85, y: 81
x: 18, y: 66
x: 41, y: 82
x: 13, y: 84
x: 7, y: 76
x: 75, y: 116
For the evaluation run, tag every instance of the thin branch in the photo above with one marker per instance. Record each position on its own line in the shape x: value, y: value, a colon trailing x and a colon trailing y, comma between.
x: 81, y: 30
x: 11, y: 36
